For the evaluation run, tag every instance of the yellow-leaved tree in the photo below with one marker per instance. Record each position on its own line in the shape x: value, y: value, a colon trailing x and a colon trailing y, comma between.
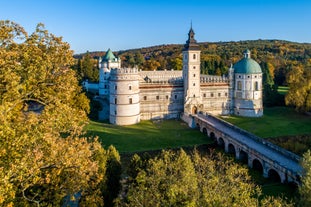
x: 43, y: 156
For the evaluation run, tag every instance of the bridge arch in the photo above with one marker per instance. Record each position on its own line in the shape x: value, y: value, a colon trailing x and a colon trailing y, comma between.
x: 257, y: 165
x: 221, y: 142
x: 243, y: 157
x: 198, y: 126
x: 212, y: 135
x: 204, y: 130
x: 231, y: 149
x: 274, y: 175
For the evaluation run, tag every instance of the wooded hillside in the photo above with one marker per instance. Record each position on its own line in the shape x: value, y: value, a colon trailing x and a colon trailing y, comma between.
x: 216, y: 57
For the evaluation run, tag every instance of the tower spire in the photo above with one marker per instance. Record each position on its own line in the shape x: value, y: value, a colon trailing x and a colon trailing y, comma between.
x: 191, y: 43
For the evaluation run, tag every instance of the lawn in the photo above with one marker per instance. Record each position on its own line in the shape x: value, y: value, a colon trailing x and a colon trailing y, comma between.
x: 147, y: 135
x: 283, y: 90
x: 276, y: 122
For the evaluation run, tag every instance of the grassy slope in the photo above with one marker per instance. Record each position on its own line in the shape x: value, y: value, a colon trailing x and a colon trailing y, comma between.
x: 147, y: 135
x: 277, y: 121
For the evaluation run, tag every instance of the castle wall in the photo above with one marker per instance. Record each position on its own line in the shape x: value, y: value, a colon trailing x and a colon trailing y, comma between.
x: 215, y: 98
x: 158, y: 101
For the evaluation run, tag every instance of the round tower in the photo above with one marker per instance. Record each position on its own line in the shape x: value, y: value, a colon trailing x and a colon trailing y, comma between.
x: 248, y: 87
x: 124, y: 96
x: 105, y: 64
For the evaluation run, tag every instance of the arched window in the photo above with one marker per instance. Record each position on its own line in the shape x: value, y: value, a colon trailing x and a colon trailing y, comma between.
x: 256, y: 87
x: 239, y: 85
x: 194, y: 56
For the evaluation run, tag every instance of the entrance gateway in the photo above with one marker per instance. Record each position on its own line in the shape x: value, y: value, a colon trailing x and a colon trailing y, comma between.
x: 194, y: 110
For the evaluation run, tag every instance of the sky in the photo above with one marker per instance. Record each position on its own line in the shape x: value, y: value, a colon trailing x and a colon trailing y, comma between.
x: 96, y: 25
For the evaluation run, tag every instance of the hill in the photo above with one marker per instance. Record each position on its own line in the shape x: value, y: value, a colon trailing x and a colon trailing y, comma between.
x: 216, y: 57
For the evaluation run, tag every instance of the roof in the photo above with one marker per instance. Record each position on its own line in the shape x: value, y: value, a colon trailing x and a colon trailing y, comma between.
x: 109, y: 56
x: 247, y: 65
x: 191, y: 43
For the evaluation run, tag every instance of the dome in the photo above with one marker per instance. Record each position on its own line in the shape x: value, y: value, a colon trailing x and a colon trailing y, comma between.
x: 247, y: 65
x: 109, y: 56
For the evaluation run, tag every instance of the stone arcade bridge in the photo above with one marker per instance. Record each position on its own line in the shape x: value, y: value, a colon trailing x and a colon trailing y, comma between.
x: 271, y: 160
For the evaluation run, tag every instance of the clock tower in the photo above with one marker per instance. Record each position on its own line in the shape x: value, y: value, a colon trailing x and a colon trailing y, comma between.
x: 191, y: 75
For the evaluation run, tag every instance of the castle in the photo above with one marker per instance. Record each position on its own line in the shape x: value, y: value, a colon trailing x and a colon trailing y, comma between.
x: 128, y: 95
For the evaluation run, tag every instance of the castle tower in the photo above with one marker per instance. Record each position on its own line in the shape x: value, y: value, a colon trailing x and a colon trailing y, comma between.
x: 191, y: 75
x: 105, y: 64
x: 124, y: 96
x: 248, y: 87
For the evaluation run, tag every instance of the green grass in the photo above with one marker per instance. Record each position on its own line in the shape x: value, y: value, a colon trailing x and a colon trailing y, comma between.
x: 147, y: 135
x: 283, y: 90
x: 276, y: 122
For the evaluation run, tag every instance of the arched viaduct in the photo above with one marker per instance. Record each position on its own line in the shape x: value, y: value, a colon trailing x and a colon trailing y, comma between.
x: 271, y: 160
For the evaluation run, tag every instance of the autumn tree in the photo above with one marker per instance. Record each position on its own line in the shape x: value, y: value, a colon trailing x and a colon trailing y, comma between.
x: 43, y: 156
x: 175, y: 63
x: 299, y: 93
x: 151, y: 65
x: 178, y: 179
x: 305, y: 187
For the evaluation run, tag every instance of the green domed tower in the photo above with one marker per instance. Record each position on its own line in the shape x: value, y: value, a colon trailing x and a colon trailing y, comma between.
x: 247, y: 87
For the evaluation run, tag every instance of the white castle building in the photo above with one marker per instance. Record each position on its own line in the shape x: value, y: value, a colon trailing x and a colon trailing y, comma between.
x: 128, y: 95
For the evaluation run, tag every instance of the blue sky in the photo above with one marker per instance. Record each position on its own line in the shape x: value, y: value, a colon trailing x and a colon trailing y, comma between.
x: 96, y: 25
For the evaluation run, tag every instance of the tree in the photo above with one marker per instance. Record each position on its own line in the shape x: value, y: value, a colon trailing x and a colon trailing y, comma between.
x: 299, y: 93
x: 87, y: 68
x: 168, y: 180
x: 305, y: 187
x: 178, y: 179
x: 151, y: 65
x: 113, y: 175
x: 43, y: 156
x: 176, y: 63
x: 271, y: 97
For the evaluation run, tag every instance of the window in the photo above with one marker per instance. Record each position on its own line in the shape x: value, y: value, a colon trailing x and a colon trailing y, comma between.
x: 175, y: 96
x: 194, y: 56
x: 248, y: 76
x: 239, y: 76
x: 219, y: 94
x: 193, y: 95
x: 256, y: 86
x: 157, y: 97
x: 193, y: 84
x: 115, y: 87
x: 226, y: 94
x: 115, y: 101
x: 212, y: 94
x: 130, y: 100
x: 115, y: 112
x: 239, y: 85
x: 193, y: 75
x: 166, y: 97
x: 194, y: 67
x: 145, y: 98
x: 130, y: 87
x: 204, y: 95
x: 105, y: 86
